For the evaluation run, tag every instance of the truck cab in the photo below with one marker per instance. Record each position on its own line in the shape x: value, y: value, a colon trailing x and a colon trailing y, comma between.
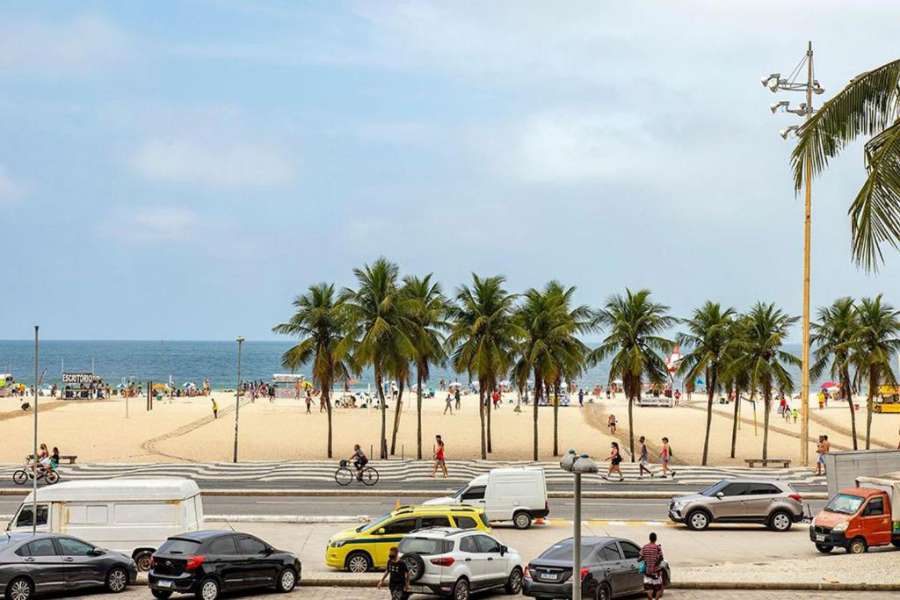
x: 857, y: 518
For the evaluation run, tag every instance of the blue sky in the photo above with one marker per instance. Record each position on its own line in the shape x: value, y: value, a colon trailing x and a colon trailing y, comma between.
x: 181, y: 170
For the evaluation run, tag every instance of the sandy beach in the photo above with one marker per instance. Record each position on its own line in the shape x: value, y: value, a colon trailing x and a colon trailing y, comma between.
x: 183, y: 429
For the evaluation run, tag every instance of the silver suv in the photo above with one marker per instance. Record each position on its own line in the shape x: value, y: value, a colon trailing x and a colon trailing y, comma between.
x: 771, y: 503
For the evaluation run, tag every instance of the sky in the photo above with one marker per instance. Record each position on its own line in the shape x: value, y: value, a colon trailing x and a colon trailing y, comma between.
x: 182, y: 170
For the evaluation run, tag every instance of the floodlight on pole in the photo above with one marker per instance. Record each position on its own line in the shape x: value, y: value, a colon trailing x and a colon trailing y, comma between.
x: 776, y: 105
x: 578, y: 465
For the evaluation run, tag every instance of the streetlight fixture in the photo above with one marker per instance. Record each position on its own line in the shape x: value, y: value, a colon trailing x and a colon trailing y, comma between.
x: 774, y: 82
x: 237, y: 395
x: 578, y: 465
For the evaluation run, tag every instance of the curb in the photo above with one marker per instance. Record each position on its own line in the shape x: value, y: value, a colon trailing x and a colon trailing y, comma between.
x: 294, y: 519
x: 677, y: 585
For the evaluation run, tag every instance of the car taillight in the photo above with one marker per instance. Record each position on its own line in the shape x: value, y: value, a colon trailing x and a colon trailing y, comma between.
x: 796, y: 497
x: 444, y: 561
x: 526, y: 574
x: 194, y: 562
x: 584, y: 573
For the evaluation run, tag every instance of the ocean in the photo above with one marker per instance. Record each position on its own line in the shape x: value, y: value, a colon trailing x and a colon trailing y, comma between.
x: 186, y: 361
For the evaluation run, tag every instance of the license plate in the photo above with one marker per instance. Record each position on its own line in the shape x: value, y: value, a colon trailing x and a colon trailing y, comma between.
x: 550, y: 576
x: 820, y: 538
x: 164, y: 583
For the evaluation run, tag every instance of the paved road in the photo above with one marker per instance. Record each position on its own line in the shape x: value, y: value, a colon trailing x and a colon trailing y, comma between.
x: 334, y: 593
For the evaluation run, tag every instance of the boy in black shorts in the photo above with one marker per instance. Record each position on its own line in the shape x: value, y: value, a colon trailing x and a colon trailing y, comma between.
x: 398, y: 572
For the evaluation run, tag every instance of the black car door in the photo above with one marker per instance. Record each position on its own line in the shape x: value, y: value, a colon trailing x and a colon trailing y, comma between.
x: 45, y: 567
x: 222, y: 555
x: 633, y: 580
x: 610, y: 559
x: 262, y: 565
x: 81, y: 568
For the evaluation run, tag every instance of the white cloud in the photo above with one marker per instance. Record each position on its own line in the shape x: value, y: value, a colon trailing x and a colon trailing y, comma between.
x: 218, y: 165
x: 73, y: 47
x: 10, y: 189
x: 160, y: 223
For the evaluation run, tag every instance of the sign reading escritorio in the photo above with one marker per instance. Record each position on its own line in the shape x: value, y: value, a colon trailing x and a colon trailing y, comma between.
x: 80, y: 378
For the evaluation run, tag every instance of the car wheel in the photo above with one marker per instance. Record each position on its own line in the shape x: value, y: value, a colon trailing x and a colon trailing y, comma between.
x: 824, y: 548
x: 857, y: 546
x: 603, y: 592
x: 522, y: 520
x: 208, y: 590
x: 287, y: 581
x: 161, y: 594
x: 780, y: 520
x: 461, y: 590
x: 143, y: 560
x: 359, y: 562
x: 697, y: 520
x: 20, y: 589
x: 415, y: 565
x: 514, y: 583
x: 117, y: 580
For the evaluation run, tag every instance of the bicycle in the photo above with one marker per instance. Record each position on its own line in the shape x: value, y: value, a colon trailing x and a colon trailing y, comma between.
x: 344, y: 475
x: 23, y: 476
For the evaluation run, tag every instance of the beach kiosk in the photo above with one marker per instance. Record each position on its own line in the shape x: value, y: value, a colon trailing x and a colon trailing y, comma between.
x: 289, y: 385
x: 81, y: 386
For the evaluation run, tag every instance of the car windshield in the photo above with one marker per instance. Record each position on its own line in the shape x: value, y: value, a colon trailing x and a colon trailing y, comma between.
x: 374, y: 523
x: 458, y: 493
x: 563, y: 551
x: 844, y: 504
x: 714, y: 488
x: 418, y: 545
x: 179, y: 546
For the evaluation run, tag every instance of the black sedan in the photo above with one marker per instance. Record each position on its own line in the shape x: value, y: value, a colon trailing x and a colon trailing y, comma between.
x: 207, y: 563
x: 35, y: 564
x: 609, y: 569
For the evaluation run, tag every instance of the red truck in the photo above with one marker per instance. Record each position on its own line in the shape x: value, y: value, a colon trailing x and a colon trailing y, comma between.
x: 857, y: 518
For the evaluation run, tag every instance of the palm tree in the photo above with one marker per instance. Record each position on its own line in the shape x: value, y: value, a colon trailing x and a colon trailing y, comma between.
x: 767, y: 328
x: 319, y: 320
x: 736, y: 372
x: 398, y: 367
x: 634, y: 343
x: 873, y: 346
x: 707, y: 340
x: 868, y: 106
x: 377, y: 327
x: 832, y: 337
x: 482, y: 338
x: 428, y: 320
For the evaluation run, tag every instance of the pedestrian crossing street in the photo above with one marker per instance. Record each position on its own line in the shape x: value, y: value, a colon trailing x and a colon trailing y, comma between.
x: 398, y: 473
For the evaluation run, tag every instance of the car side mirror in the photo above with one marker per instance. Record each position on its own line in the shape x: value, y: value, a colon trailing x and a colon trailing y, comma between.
x: 503, y: 550
x: 720, y: 495
x: 269, y: 550
x: 380, y: 531
x: 97, y: 552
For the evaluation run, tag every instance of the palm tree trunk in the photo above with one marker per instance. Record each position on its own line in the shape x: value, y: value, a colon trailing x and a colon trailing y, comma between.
x: 481, y: 419
x: 397, y: 408
x: 382, y: 444
x: 556, y: 419
x: 490, y: 408
x: 734, y: 424
x: 418, y: 413
x: 870, y: 404
x: 845, y: 389
x: 767, y: 400
x: 710, y: 393
x: 537, y: 395
x: 631, y: 421
x: 326, y: 398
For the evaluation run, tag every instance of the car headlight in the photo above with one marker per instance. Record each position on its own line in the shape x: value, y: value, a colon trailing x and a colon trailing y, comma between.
x: 339, y: 544
x: 840, y: 527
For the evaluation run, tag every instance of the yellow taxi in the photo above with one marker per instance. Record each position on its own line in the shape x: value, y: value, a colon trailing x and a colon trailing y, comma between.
x: 366, y: 547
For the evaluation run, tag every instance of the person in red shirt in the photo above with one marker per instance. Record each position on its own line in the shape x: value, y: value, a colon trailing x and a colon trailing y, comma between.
x: 652, y: 557
x: 439, y: 458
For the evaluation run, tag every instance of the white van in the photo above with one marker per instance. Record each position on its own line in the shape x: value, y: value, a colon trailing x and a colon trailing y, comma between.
x: 131, y: 516
x: 516, y: 494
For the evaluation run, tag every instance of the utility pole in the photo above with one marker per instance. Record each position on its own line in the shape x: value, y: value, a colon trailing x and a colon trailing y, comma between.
x: 34, y: 456
x: 237, y: 402
x: 774, y: 83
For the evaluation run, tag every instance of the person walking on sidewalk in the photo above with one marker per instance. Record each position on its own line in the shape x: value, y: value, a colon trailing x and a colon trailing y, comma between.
x: 615, y: 459
x: 665, y: 455
x: 440, y: 461
x: 644, y: 462
x: 397, y: 574
x: 652, y: 557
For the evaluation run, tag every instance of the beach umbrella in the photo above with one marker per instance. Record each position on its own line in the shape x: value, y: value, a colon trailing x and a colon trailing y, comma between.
x: 455, y: 384
x: 830, y: 384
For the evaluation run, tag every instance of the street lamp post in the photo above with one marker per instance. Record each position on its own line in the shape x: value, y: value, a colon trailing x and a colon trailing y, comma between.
x: 237, y: 402
x: 774, y: 83
x: 34, y: 457
x: 578, y: 465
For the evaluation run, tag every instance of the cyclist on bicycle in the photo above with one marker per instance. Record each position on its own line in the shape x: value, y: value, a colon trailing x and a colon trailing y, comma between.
x: 359, y: 460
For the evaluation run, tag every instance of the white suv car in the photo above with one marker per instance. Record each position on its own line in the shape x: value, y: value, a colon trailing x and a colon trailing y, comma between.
x: 454, y: 562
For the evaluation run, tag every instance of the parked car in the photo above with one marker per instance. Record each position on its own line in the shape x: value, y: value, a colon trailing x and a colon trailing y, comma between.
x: 366, y: 547
x: 609, y: 569
x: 515, y: 494
x: 453, y: 562
x: 132, y: 516
x: 45, y: 562
x: 772, y: 503
x: 859, y: 517
x: 207, y: 563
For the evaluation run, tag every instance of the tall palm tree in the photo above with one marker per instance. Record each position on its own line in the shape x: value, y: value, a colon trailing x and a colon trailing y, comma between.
x: 868, y: 106
x: 398, y: 367
x: 832, y: 337
x: 482, y: 338
x: 377, y: 327
x: 736, y: 371
x: 428, y: 321
x: 706, y: 341
x: 634, y: 342
x: 320, y: 321
x: 767, y: 328
x: 874, y: 344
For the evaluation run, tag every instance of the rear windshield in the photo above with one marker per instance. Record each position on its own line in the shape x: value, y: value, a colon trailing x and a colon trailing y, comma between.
x: 178, y: 546
x: 563, y: 551
x: 418, y: 545
x: 845, y: 504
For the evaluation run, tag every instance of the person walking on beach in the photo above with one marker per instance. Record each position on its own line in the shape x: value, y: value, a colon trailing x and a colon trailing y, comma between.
x: 458, y: 397
x: 665, y: 455
x: 822, y: 448
x: 615, y: 459
x: 397, y: 574
x: 215, y: 407
x: 611, y: 423
x: 448, y: 403
x: 644, y: 463
x: 308, y: 403
x: 581, y: 397
x: 440, y: 461
x: 652, y: 557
